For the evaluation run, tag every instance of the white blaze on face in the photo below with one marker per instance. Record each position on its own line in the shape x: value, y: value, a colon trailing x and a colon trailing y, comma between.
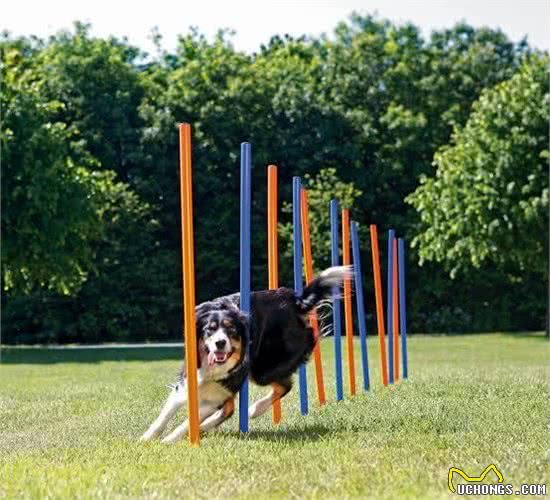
x: 219, y: 347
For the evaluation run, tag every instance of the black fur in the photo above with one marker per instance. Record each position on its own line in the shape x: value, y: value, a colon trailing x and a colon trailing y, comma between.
x: 281, y: 338
x: 280, y: 341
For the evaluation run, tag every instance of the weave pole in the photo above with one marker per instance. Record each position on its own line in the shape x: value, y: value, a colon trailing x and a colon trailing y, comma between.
x: 403, y: 306
x: 273, y: 253
x: 246, y: 194
x: 336, y: 311
x: 395, y: 298
x: 298, y: 282
x: 188, y: 267
x: 356, y: 252
x: 308, y: 265
x: 389, y: 312
x: 379, y: 302
x: 348, y: 310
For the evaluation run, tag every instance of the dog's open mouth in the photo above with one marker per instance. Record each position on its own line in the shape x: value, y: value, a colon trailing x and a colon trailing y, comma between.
x: 218, y: 357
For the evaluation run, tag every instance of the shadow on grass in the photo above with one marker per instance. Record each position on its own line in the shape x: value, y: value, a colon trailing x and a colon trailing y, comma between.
x: 537, y: 335
x: 308, y: 434
x: 520, y: 335
x: 51, y: 356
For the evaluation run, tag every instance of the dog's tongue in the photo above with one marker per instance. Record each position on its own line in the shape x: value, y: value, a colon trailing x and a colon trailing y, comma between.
x: 214, y: 357
x: 211, y: 358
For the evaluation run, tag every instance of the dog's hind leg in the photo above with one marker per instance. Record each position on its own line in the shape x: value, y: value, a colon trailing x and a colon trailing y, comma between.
x: 279, y: 389
x: 220, y: 416
x: 181, y: 430
x: 176, y: 399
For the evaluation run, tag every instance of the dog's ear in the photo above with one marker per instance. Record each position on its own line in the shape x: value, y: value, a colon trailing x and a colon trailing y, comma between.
x: 201, y: 312
x: 199, y: 331
x: 199, y: 347
x: 241, y: 320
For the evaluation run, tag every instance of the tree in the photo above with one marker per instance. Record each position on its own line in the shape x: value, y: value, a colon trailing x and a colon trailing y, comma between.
x: 52, y: 201
x: 99, y: 86
x: 400, y: 96
x: 488, y: 201
x: 81, y: 256
x: 375, y: 102
x: 322, y: 188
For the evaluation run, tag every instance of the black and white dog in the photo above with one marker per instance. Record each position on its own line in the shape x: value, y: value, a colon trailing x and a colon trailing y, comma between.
x: 281, y: 341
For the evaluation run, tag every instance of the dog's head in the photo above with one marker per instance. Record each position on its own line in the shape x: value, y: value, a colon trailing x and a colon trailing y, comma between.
x: 221, y: 335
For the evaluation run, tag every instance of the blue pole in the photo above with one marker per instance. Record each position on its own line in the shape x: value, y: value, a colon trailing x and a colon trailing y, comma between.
x: 360, y: 303
x: 402, y: 306
x: 389, y: 315
x: 298, y: 283
x: 336, y: 311
x: 246, y: 172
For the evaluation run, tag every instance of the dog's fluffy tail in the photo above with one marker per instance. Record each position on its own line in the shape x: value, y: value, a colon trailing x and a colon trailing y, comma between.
x: 321, y: 287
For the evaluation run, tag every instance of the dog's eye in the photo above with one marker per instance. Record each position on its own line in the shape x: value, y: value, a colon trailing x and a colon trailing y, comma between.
x: 210, y: 328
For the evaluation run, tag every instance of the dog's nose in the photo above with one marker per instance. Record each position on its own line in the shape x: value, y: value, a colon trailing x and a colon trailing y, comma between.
x: 220, y: 344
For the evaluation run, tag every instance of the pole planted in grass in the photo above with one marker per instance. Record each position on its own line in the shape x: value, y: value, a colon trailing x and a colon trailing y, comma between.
x: 273, y: 254
x: 403, y: 307
x: 308, y: 267
x: 188, y: 275
x: 348, y: 308
x: 356, y: 252
x: 379, y: 302
x: 389, y: 305
x: 298, y: 281
x: 245, y: 209
x: 336, y: 311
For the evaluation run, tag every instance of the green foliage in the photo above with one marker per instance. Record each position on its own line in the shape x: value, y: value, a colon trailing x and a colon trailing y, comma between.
x: 81, y: 245
x: 97, y: 83
x: 90, y: 134
x: 52, y: 202
x: 399, y: 96
x: 488, y: 202
x: 320, y: 190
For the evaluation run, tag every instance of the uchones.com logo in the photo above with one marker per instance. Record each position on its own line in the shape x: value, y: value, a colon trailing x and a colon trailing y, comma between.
x: 484, y: 484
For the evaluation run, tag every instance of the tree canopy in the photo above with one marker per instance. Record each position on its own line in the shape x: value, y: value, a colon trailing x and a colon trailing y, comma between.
x: 488, y: 200
x: 53, y: 199
x: 90, y: 205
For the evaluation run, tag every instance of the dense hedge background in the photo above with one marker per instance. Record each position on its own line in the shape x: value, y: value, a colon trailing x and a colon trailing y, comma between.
x: 444, y: 139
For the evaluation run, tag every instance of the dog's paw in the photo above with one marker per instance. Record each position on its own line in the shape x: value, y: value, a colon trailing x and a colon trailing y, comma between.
x: 253, y: 411
x: 177, y: 434
x: 170, y: 439
x: 149, y: 435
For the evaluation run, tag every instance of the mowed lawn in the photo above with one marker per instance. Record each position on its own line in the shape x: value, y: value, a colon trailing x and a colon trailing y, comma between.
x: 70, y: 423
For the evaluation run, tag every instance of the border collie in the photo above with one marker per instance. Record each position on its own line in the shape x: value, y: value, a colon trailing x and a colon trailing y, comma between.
x: 281, y: 341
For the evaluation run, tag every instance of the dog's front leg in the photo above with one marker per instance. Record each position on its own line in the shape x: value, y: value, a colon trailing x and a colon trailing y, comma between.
x: 181, y: 430
x: 220, y: 416
x: 176, y: 400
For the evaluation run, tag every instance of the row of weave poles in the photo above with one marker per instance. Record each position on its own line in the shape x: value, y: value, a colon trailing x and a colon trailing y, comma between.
x: 303, y: 264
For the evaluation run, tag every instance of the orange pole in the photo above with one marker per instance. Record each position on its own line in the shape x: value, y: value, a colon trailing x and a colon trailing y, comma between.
x: 308, y: 265
x: 379, y: 302
x: 348, y: 312
x: 188, y: 266
x: 395, y: 310
x: 272, y: 253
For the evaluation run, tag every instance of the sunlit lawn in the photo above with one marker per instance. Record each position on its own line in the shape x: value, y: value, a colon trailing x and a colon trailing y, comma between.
x: 70, y: 423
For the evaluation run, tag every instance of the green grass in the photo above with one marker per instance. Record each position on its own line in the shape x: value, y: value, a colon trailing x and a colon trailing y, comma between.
x: 70, y: 420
